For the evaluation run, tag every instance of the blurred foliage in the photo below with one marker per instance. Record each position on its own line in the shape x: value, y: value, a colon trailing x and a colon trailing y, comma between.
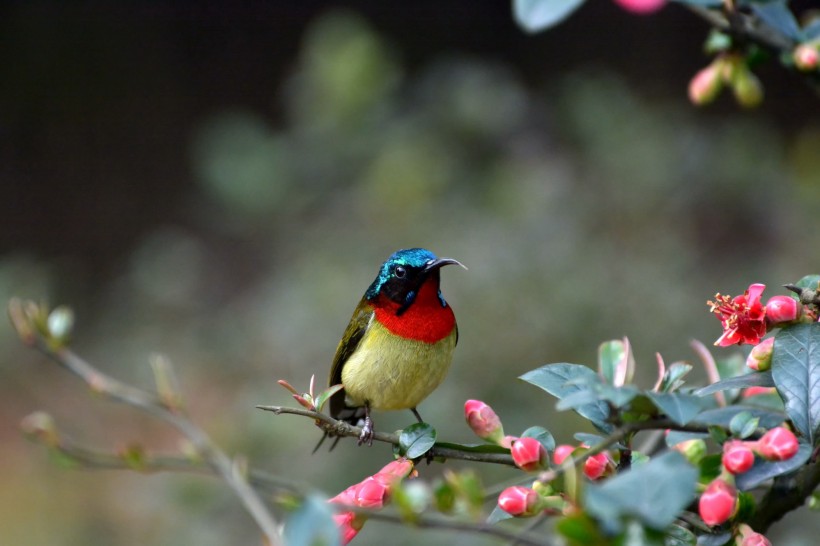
x: 584, y: 211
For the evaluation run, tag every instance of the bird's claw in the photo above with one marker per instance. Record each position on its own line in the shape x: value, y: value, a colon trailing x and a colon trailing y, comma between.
x: 367, y: 433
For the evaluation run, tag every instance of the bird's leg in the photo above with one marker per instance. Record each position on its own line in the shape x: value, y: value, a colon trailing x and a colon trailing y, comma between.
x: 416, y: 413
x: 367, y: 429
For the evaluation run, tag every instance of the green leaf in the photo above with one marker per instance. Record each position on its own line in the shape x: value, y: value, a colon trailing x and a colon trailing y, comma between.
x: 673, y: 378
x: 679, y: 407
x: 416, y: 440
x: 325, y: 395
x: 721, y: 417
x: 778, y: 16
x: 754, y: 379
x: 719, y: 539
x: 615, y: 362
x: 312, y: 523
x: 796, y: 374
x: 655, y: 493
x: 580, y: 530
x: 765, y: 470
x: 743, y: 424
x: 554, y: 379
x: 811, y: 282
x: 619, y: 396
x: 535, y: 15
x: 542, y: 435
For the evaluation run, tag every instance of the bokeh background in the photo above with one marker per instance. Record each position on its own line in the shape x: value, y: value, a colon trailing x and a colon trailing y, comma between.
x: 219, y: 181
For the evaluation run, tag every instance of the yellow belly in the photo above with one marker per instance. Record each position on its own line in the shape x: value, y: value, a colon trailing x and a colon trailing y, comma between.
x: 392, y: 373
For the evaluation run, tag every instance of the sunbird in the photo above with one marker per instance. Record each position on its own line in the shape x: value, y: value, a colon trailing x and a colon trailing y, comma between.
x: 399, y: 343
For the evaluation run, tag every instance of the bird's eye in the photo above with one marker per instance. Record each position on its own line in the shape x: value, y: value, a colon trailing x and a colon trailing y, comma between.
x: 400, y: 272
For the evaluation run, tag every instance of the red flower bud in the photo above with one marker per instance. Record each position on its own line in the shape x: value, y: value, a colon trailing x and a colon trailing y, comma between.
x: 596, y: 465
x: 520, y: 501
x: 778, y: 444
x: 755, y: 539
x: 718, y: 503
x: 755, y: 391
x: 484, y: 421
x: 641, y: 7
x: 760, y: 357
x: 806, y: 57
x: 562, y: 452
x: 737, y: 457
x: 782, y: 309
x: 529, y: 454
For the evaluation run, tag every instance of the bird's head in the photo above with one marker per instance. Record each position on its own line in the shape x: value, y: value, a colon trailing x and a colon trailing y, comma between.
x: 403, y: 274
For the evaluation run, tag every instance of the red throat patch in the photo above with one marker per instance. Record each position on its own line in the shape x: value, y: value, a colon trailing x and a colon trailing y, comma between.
x: 425, y: 320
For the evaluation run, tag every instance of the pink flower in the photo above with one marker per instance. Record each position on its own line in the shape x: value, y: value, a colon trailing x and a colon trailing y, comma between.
x: 755, y: 539
x: 562, y: 452
x: 484, y: 421
x: 737, y: 457
x: 778, y: 444
x: 520, y: 501
x: 782, y: 309
x: 371, y: 493
x: 529, y: 454
x: 718, y: 503
x: 760, y: 357
x: 641, y: 7
x: 743, y: 317
x: 596, y: 465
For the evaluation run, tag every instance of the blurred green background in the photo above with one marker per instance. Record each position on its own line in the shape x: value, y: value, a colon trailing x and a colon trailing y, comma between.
x: 219, y: 182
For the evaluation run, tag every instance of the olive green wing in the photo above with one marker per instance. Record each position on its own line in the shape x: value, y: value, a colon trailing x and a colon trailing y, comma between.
x: 359, y: 323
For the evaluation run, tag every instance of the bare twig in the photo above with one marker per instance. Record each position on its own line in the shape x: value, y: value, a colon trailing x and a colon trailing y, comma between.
x: 341, y: 428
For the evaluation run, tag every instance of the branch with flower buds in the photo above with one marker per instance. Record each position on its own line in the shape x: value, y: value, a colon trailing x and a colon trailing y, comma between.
x: 49, y: 331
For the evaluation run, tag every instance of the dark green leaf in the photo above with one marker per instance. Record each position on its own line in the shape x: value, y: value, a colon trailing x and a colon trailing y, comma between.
x: 497, y: 515
x: 619, y: 396
x: 535, y: 15
x: 754, y: 379
x: 542, y: 435
x: 710, y: 467
x: 811, y: 282
x: 721, y: 417
x: 553, y: 378
x: 588, y: 439
x: 417, y: 439
x: 655, y: 493
x: 679, y: 536
x: 765, y: 470
x: 580, y: 530
x: 796, y: 374
x: 778, y: 16
x: 577, y: 399
x: 811, y: 32
x: 312, y: 523
x: 715, y: 540
x: 679, y: 407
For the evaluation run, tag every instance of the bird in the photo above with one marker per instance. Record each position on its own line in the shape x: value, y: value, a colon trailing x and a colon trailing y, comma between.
x: 399, y: 343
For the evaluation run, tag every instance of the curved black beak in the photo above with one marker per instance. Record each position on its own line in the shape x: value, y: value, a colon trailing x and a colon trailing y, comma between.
x: 440, y: 262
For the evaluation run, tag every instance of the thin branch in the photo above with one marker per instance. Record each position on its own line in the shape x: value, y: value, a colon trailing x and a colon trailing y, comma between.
x: 152, y: 404
x: 341, y: 428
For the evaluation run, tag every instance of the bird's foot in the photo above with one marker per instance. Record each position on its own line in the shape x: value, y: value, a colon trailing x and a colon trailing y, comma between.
x: 367, y: 433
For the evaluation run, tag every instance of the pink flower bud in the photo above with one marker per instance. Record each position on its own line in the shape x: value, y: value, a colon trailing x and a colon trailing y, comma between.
x: 737, y: 457
x: 641, y: 7
x: 371, y: 493
x: 760, y: 357
x: 595, y: 466
x: 755, y: 539
x: 781, y: 309
x: 562, y: 452
x: 484, y: 421
x: 705, y: 86
x: 395, y: 470
x: 520, y: 501
x: 806, y: 57
x: 529, y: 454
x: 778, y: 444
x: 718, y: 503
x: 756, y: 391
x: 349, y: 525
